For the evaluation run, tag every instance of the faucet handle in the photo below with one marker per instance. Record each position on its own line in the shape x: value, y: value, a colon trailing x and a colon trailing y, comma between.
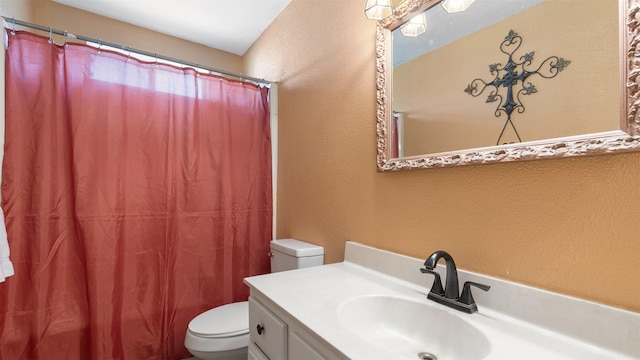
x: 436, y: 288
x: 466, y: 297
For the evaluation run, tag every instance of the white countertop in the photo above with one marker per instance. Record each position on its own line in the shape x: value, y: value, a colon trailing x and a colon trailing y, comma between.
x: 313, y: 296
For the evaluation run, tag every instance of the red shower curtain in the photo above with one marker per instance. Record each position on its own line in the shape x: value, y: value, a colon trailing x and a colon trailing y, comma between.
x: 136, y: 196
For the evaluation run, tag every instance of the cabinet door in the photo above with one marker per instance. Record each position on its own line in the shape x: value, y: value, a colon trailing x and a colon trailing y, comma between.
x: 303, y: 346
x: 267, y: 331
x: 254, y: 352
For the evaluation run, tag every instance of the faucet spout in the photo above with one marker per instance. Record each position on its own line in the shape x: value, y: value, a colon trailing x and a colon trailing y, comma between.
x: 451, y: 290
x: 450, y: 296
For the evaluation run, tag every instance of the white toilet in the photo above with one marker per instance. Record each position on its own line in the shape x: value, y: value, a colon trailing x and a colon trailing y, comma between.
x: 222, y: 333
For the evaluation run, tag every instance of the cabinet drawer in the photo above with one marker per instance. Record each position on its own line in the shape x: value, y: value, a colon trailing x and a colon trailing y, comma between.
x: 267, y: 331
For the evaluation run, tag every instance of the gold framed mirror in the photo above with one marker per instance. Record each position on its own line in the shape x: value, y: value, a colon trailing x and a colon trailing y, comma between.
x: 621, y: 89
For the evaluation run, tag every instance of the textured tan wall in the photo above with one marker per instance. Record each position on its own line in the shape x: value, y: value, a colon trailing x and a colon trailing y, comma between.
x: 19, y: 9
x: 566, y: 225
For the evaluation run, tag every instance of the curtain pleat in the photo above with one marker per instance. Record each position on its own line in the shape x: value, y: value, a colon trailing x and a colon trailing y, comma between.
x: 136, y: 196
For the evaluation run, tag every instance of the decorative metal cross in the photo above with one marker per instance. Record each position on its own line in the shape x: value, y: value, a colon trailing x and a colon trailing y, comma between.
x: 514, y: 73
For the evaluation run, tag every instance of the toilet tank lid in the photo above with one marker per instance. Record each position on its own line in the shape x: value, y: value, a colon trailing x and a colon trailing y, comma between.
x: 296, y: 248
x: 226, y: 320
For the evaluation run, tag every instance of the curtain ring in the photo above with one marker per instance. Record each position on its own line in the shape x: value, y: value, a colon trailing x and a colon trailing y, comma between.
x: 13, y: 26
x: 99, y: 46
x: 129, y: 54
x: 50, y: 36
x: 156, y: 56
x: 67, y: 36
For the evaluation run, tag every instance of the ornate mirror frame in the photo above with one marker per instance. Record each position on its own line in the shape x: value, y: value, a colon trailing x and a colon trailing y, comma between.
x: 625, y: 140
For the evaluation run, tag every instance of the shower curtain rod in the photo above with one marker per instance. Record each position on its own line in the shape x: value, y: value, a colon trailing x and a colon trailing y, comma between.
x: 68, y: 35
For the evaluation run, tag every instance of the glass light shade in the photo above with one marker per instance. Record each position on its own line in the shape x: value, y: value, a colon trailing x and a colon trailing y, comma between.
x: 452, y: 6
x: 378, y: 9
x: 416, y: 26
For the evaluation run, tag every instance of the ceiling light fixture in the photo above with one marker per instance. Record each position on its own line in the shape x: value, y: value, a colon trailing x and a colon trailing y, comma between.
x: 416, y: 26
x: 452, y: 6
x: 378, y: 9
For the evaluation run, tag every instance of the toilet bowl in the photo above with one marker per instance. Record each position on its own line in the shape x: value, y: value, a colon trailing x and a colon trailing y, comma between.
x: 222, y: 333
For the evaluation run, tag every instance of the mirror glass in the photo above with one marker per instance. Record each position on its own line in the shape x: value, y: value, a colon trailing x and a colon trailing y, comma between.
x: 501, y: 77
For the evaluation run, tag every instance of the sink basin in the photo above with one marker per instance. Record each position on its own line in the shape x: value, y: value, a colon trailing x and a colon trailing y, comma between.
x: 413, y: 327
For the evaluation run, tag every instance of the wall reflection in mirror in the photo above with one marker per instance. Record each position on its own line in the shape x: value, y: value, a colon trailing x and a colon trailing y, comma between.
x: 433, y: 114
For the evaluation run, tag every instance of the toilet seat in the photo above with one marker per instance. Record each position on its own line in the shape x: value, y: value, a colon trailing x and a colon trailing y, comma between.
x: 222, y: 322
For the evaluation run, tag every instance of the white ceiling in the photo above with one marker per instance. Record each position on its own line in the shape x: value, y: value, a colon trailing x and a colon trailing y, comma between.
x: 229, y: 25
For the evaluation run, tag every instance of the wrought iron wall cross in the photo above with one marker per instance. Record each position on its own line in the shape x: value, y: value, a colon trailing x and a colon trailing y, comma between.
x: 514, y: 73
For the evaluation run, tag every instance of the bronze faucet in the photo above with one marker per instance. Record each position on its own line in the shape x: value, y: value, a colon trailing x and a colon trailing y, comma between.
x: 450, y: 296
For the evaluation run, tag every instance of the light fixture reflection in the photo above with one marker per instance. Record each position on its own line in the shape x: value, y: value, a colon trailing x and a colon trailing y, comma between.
x: 452, y: 6
x: 416, y: 26
x: 378, y: 9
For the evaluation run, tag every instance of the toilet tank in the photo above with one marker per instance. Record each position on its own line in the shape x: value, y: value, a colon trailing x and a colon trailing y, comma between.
x: 289, y: 254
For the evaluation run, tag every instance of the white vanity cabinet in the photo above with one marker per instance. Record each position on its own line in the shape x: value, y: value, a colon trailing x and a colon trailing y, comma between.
x: 274, y: 335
